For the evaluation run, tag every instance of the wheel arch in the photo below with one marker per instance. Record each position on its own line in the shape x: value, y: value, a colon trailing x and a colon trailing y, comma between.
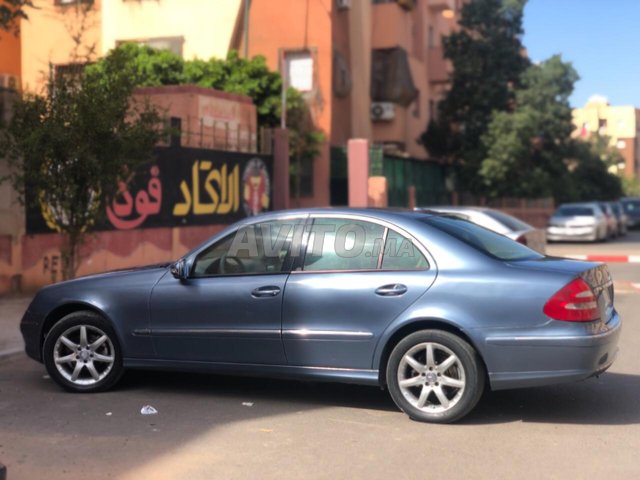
x: 61, y: 311
x: 415, y: 326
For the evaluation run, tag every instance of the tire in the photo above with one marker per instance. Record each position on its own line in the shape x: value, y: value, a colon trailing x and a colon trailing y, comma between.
x: 465, y: 376
x: 77, y: 364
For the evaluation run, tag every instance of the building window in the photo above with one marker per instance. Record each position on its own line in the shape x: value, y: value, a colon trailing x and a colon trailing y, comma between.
x: 173, y: 44
x: 416, y: 106
x: 69, y: 71
x: 64, y: 3
x: 298, y: 70
x: 305, y: 178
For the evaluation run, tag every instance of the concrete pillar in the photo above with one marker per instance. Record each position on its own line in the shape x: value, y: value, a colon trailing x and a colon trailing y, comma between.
x: 358, y: 172
x: 411, y: 194
x: 280, y: 169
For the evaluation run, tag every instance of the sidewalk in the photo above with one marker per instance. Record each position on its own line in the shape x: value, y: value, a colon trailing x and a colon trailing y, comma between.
x: 11, y: 310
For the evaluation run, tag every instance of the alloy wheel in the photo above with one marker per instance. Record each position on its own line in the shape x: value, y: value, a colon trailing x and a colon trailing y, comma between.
x: 431, y: 377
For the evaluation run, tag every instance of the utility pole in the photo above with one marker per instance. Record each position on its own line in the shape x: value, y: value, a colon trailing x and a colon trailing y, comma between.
x: 247, y: 4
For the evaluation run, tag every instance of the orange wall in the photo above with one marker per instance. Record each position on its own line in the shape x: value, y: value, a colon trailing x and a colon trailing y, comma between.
x: 277, y: 25
x: 47, y: 38
x: 9, y: 53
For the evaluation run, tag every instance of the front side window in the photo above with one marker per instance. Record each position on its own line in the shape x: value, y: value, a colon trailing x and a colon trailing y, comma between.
x: 343, y: 244
x: 253, y: 249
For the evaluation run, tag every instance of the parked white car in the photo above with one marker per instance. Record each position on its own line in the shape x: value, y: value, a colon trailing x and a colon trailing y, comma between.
x: 500, y: 222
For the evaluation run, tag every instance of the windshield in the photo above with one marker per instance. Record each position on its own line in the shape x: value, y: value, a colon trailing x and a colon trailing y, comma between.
x: 487, y: 241
x: 574, y: 212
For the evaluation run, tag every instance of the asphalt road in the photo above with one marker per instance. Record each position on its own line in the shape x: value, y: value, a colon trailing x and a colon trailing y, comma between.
x: 589, y: 429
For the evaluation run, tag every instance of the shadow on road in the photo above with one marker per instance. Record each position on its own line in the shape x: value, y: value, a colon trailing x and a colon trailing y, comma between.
x: 611, y: 399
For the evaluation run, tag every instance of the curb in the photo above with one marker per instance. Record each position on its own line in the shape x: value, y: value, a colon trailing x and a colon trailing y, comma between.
x: 10, y: 353
x: 607, y: 258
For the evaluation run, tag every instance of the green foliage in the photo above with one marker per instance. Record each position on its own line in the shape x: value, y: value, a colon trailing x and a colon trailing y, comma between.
x: 143, y: 66
x: 148, y: 66
x: 68, y: 150
x: 304, y: 140
x: 486, y: 54
x: 589, y: 178
x: 526, y: 147
x: 11, y: 11
x: 631, y: 187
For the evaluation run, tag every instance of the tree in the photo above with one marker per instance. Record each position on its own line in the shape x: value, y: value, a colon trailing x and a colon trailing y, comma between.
x: 526, y: 148
x: 304, y: 139
x: 589, y: 178
x: 488, y: 61
x: 69, y: 150
x: 11, y: 11
x: 149, y: 67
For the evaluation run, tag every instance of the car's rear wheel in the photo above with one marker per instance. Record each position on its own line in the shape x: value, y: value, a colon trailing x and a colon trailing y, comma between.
x: 435, y: 376
x: 82, y: 354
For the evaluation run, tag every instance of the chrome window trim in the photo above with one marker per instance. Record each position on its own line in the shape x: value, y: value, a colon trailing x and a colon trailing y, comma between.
x: 383, y: 223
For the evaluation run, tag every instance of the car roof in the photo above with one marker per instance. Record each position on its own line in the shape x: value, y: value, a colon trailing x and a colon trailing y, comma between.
x: 389, y: 214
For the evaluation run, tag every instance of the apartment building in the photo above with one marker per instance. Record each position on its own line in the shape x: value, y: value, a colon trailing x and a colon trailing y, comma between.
x: 369, y: 69
x: 620, y: 123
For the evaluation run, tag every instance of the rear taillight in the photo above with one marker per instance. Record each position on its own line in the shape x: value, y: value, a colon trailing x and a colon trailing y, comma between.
x: 522, y: 239
x: 575, y: 302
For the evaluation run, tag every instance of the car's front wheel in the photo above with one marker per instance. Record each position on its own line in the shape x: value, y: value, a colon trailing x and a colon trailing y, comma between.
x: 435, y: 376
x: 82, y: 354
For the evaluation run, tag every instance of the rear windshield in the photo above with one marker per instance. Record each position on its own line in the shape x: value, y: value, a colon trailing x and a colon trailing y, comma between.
x: 512, y: 223
x: 631, y: 206
x: 487, y: 241
x: 574, y: 212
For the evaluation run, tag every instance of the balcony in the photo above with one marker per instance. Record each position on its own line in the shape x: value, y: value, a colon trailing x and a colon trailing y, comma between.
x: 441, y: 5
x: 438, y: 67
x: 392, y: 26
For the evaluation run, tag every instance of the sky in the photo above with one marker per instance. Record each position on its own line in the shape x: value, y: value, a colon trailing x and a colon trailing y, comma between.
x: 599, y: 37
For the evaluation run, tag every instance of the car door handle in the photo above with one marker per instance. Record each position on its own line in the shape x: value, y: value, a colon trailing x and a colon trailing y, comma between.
x: 269, y: 291
x: 392, y: 290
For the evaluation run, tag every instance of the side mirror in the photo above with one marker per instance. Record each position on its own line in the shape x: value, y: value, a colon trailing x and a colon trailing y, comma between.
x: 179, y: 270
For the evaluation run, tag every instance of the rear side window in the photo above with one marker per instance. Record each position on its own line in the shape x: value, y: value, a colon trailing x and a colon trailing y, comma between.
x: 400, y: 253
x: 631, y: 206
x: 486, y: 241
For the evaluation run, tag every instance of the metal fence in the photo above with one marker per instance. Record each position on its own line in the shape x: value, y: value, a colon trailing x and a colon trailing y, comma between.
x: 218, y: 135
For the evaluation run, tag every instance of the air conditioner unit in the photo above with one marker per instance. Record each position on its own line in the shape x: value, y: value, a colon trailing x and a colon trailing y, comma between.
x: 382, y: 111
x: 343, y: 4
x: 10, y: 82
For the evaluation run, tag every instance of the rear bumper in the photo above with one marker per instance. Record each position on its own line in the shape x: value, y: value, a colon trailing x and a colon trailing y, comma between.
x: 530, y: 361
x: 586, y: 234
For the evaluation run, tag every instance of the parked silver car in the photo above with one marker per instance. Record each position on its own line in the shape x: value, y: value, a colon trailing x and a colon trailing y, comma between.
x: 612, y: 220
x: 621, y: 217
x: 500, y: 222
x: 578, y: 221
x: 632, y: 210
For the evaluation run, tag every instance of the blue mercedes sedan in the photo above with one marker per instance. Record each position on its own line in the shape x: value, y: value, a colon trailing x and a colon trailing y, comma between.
x: 429, y: 306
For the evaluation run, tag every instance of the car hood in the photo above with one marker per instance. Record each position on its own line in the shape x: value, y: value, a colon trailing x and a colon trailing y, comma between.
x: 150, y: 273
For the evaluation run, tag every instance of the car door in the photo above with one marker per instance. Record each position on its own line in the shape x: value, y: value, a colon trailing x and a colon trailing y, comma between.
x: 355, y: 277
x: 229, y: 309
